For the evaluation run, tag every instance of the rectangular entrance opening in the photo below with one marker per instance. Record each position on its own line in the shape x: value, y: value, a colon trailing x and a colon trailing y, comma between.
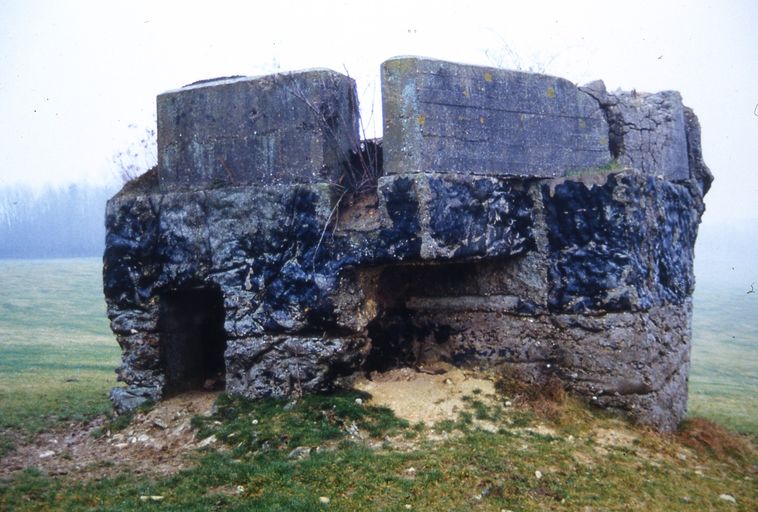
x: 192, y: 339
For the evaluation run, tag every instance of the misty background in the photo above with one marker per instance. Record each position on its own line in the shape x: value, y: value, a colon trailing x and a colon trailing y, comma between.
x: 78, y: 82
x: 53, y: 222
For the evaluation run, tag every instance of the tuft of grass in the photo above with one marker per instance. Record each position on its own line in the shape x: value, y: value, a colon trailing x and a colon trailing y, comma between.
x: 481, y: 411
x: 714, y: 440
x: 545, y: 397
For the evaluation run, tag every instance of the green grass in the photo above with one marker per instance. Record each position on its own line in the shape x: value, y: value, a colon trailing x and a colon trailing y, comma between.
x: 724, y: 373
x: 258, y: 426
x: 57, y: 356
x: 471, y: 470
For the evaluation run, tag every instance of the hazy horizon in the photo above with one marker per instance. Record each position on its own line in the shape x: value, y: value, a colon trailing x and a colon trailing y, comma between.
x: 78, y: 79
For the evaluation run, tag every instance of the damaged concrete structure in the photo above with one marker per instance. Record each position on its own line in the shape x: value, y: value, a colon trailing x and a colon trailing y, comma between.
x: 515, y: 220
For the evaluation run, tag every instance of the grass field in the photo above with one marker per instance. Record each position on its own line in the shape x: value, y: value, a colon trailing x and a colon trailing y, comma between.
x: 57, y: 355
x: 724, y: 375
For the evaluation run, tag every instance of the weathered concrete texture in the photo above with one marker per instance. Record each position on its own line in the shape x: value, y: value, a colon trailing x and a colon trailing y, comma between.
x: 282, y: 268
x: 700, y: 174
x: 619, y: 360
x: 287, y: 285
x: 625, y: 245
x: 286, y: 128
x: 648, y: 131
x: 445, y: 117
x: 290, y: 364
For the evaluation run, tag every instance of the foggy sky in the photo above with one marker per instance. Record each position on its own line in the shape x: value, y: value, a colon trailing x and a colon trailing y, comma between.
x: 78, y: 79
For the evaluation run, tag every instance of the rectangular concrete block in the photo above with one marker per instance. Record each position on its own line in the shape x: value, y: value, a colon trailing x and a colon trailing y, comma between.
x: 297, y: 127
x: 648, y: 131
x: 455, y: 118
x: 654, y: 134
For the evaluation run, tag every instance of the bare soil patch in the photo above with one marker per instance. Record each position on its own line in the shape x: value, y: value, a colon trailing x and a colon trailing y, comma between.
x: 427, y: 394
x: 156, y: 442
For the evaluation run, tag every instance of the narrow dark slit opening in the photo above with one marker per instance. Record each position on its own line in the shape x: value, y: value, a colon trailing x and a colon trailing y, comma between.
x: 192, y: 338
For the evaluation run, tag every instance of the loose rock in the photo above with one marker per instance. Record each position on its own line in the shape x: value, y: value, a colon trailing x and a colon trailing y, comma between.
x: 728, y: 497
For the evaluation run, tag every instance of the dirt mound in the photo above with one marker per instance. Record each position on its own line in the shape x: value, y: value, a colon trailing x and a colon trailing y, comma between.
x: 155, y: 442
x: 429, y: 394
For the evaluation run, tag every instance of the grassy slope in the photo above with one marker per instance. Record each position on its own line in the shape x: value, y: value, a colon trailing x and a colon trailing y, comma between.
x: 400, y: 467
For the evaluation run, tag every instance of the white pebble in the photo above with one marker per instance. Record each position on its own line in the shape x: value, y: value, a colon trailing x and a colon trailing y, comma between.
x: 324, y: 500
x: 207, y: 442
x: 538, y: 474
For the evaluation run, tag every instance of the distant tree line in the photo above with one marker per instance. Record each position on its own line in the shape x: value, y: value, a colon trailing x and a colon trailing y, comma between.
x: 63, y: 222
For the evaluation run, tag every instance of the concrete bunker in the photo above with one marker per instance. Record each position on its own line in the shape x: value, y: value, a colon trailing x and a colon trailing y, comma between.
x: 502, y: 231
x: 192, y: 338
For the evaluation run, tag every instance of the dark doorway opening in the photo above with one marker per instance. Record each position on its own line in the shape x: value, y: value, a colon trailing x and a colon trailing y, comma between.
x: 447, y: 312
x: 193, y: 340
x: 400, y: 336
